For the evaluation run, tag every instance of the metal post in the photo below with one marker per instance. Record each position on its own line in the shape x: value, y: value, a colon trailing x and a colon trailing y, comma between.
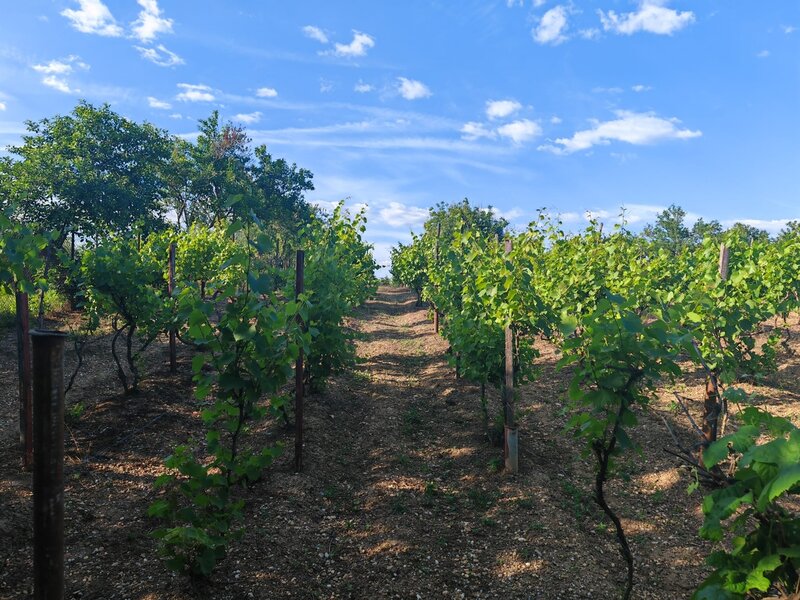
x: 298, y: 373
x: 48, y: 468
x: 24, y: 371
x: 173, y: 352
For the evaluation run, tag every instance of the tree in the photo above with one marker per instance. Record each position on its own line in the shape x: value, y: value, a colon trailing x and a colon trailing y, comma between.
x: 91, y: 172
x: 749, y: 233
x: 670, y: 231
x: 702, y: 230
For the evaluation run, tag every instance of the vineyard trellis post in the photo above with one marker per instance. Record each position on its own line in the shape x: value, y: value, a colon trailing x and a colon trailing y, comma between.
x: 436, y: 264
x: 298, y: 371
x: 173, y: 353
x: 24, y: 371
x: 511, y: 433
x: 48, y: 466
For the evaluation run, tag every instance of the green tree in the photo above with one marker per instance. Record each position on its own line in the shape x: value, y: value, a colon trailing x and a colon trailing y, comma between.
x: 669, y: 231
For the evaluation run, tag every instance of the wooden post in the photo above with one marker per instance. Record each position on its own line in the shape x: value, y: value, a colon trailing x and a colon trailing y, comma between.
x: 436, y: 263
x: 298, y: 372
x: 48, y: 467
x: 24, y: 372
x: 510, y: 446
x: 724, y: 255
x: 173, y: 350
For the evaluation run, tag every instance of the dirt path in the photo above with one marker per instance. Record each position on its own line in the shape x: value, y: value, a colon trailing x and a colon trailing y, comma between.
x: 400, y: 498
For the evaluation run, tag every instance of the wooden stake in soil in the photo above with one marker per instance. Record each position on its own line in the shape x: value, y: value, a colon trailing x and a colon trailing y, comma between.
x: 298, y: 373
x: 48, y: 468
x: 173, y: 351
x: 24, y: 370
x: 510, y: 446
x: 436, y: 262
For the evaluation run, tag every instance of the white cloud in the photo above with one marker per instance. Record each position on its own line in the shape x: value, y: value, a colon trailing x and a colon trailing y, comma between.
x: 195, y: 93
x: 150, y: 22
x: 630, y: 127
x: 315, y: 33
x: 93, y: 17
x: 358, y: 47
x: 160, y: 56
x: 787, y: 29
x: 176, y: 116
x: 539, y: 3
x: 57, y: 83
x: 773, y: 226
x: 266, y: 92
x: 363, y: 88
x: 498, y: 109
x: 652, y: 17
x: 156, y: 103
x: 474, y: 130
x: 520, y: 131
x: 56, y: 71
x: 509, y: 215
x: 2, y: 105
x: 551, y: 27
x: 763, y: 54
x: 400, y: 215
x: 513, y: 3
x: 592, y: 33
x: 641, y: 88
x: 555, y: 119
x: 54, y: 67
x: 607, y: 90
x: 325, y: 86
x: 248, y: 118
x: 411, y: 89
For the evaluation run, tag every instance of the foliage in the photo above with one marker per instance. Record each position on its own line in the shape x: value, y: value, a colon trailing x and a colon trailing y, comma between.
x: 247, y: 355
x: 127, y: 286
x: 617, y: 359
x: 20, y: 255
x: 409, y: 267
x: 339, y: 275
x: 765, y: 548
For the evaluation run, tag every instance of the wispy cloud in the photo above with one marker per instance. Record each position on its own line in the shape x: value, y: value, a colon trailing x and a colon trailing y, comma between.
x: 248, y: 118
x: 398, y: 214
x: 499, y: 109
x: 2, y: 106
x: 551, y: 27
x: 629, y: 127
x: 93, y: 16
x: 156, y: 103
x: 357, y: 47
x: 150, y: 23
x: 56, y: 71
x: 363, y: 88
x: 195, y: 93
x: 638, y: 88
x: 474, y: 130
x: 763, y: 54
x: 160, y: 56
x: 653, y: 17
x: 266, y: 92
x: 520, y: 131
x: 315, y: 33
x: 787, y: 29
x: 411, y: 89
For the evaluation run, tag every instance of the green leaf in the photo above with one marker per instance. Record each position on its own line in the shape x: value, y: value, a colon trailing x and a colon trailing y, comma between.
x: 787, y: 478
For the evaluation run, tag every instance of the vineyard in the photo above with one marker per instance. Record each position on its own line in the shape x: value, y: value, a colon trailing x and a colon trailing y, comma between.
x: 241, y: 411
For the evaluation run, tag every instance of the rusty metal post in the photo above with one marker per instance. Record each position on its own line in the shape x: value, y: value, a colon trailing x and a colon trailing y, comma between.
x: 173, y: 351
x: 24, y: 371
x: 48, y: 467
x: 298, y: 372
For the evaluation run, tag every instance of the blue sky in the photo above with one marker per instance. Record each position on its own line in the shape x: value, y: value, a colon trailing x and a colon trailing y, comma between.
x: 518, y: 104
